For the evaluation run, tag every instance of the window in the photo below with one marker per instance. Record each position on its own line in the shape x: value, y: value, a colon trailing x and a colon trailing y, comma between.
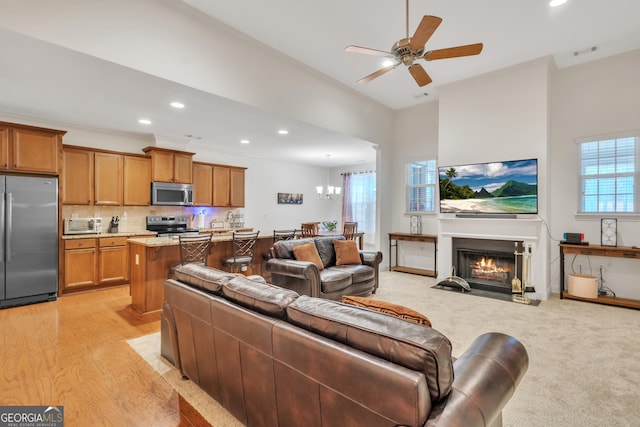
x: 608, y: 175
x: 421, y: 186
x: 359, y: 203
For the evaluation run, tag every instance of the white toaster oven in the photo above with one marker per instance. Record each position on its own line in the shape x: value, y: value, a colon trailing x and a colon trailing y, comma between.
x: 82, y: 226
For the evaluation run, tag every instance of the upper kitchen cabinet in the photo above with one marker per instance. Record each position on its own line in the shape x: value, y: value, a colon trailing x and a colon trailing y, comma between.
x: 202, y: 180
x: 228, y: 186
x: 170, y: 165
x: 137, y: 180
x: 29, y: 149
x: 100, y: 177
x: 77, y: 176
x: 108, y: 179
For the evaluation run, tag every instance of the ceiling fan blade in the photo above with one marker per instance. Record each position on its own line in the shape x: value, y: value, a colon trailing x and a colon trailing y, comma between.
x: 453, y: 52
x: 419, y: 75
x: 367, y: 51
x: 425, y: 30
x: 377, y: 74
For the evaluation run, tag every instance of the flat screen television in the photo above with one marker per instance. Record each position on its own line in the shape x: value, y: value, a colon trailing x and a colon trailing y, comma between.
x: 490, y: 188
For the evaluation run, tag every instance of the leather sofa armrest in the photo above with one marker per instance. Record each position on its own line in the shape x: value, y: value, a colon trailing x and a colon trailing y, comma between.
x: 486, y: 377
x: 372, y: 258
x: 300, y: 276
x: 290, y: 267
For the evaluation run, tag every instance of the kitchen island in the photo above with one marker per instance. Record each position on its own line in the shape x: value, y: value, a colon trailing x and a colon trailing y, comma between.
x: 151, y: 257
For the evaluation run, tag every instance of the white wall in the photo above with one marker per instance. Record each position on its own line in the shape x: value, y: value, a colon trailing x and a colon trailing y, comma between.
x: 415, y: 139
x: 593, y: 99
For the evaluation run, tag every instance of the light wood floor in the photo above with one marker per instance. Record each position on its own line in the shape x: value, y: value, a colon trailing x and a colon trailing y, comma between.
x: 73, y: 353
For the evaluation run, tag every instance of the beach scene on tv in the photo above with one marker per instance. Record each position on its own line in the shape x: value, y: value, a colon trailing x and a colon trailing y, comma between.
x: 500, y: 187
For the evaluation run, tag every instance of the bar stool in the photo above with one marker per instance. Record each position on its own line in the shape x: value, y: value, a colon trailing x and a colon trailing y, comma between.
x: 243, y: 247
x: 193, y: 249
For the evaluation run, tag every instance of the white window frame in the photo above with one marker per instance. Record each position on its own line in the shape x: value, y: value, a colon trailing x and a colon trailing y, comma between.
x: 603, y: 160
x: 428, y: 182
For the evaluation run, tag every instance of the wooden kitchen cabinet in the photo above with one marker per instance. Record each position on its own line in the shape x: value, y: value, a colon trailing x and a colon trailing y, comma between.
x: 107, y: 179
x: 113, y: 258
x: 77, y: 177
x: 170, y: 165
x: 29, y: 149
x: 99, y: 177
x: 137, y: 180
x: 228, y: 186
x: 202, y: 181
x: 80, y: 256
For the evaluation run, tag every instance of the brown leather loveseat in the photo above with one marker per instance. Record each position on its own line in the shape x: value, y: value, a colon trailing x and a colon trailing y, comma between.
x: 333, y: 280
x: 272, y: 357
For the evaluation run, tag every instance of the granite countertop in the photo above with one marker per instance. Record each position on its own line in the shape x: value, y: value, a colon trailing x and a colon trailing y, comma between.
x: 173, y: 241
x: 121, y: 234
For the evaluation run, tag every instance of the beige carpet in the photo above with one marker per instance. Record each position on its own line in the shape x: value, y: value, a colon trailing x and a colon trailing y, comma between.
x: 584, y: 367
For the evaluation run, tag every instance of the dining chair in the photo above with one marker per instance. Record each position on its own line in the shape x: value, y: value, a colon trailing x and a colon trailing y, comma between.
x: 349, y: 230
x: 309, y: 229
x: 243, y: 248
x: 193, y: 249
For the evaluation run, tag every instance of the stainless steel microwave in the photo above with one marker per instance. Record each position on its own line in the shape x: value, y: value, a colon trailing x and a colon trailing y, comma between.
x: 171, y: 194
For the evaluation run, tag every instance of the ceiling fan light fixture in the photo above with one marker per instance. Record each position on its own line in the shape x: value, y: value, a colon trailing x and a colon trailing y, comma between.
x: 408, y: 50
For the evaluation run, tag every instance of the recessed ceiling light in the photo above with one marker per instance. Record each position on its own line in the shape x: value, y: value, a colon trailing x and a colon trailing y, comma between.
x: 283, y: 132
x: 244, y: 141
x: 176, y: 104
x: 144, y: 121
x: 556, y: 3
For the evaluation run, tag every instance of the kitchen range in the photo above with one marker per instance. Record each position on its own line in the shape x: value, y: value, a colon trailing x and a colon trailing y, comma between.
x: 168, y: 226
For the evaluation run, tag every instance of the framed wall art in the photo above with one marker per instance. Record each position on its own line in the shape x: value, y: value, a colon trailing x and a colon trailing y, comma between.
x: 609, y: 232
x: 289, y: 198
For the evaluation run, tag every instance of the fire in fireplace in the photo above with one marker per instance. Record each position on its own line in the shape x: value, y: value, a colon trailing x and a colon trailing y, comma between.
x: 486, y: 264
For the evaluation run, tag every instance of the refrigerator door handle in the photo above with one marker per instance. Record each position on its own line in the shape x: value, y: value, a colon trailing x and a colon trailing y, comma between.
x: 8, y: 225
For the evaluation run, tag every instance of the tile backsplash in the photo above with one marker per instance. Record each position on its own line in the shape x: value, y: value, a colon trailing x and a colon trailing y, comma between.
x: 133, y: 218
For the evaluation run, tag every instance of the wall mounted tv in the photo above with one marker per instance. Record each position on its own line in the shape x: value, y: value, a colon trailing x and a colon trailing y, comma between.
x: 490, y: 188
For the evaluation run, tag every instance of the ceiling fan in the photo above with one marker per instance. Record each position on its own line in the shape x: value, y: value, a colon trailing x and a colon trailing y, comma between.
x: 406, y: 51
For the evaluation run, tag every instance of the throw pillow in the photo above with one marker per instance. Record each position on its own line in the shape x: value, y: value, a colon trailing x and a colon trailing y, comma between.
x: 388, y: 308
x: 346, y: 252
x: 308, y: 252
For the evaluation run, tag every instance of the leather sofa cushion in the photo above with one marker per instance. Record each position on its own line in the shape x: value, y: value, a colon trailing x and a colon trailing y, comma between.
x: 261, y: 297
x: 205, y: 278
x: 359, y: 273
x: 407, y: 344
x: 334, y: 280
x: 326, y: 250
x: 284, y: 248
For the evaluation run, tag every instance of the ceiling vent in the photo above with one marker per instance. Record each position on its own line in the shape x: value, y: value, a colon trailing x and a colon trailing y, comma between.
x: 585, y: 51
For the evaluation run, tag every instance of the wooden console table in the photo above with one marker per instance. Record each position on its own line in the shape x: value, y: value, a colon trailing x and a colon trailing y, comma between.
x: 604, y: 251
x: 428, y: 238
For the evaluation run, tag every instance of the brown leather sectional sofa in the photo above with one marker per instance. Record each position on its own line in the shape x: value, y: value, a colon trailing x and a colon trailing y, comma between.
x: 333, y: 281
x: 275, y: 358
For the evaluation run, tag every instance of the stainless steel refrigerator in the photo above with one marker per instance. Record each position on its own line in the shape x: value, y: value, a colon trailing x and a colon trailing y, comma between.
x: 28, y: 240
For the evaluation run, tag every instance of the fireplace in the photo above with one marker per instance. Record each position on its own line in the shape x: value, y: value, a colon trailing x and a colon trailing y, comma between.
x: 487, y: 264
